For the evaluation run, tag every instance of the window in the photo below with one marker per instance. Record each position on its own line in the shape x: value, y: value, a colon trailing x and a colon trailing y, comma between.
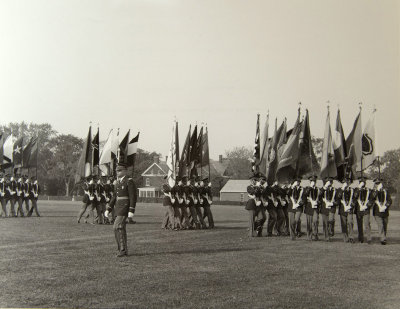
x: 147, y: 182
x: 241, y: 197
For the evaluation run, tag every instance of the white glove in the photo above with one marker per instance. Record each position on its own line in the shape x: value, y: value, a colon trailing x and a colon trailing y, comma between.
x: 107, y: 213
x: 130, y: 215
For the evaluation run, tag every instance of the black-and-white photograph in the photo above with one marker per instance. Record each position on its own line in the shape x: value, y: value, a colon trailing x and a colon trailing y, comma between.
x: 200, y: 154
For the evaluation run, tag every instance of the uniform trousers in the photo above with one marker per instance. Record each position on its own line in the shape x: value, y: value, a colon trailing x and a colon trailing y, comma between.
x: 294, y: 223
x: 200, y: 216
x: 184, y: 216
x: 328, y: 220
x: 11, y: 213
x: 257, y: 219
x: 84, y: 208
x: 208, y: 214
x: 34, y: 208
x: 272, y: 219
x: 285, y: 221
x: 193, y: 214
x: 3, y: 202
x: 169, y: 218
x: 346, y: 222
x: 364, y: 227
x: 26, y: 201
x: 382, y: 223
x: 312, y: 225
x: 120, y: 233
x: 20, y: 209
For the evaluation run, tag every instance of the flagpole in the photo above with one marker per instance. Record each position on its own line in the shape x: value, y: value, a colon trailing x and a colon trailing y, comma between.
x: 297, y: 161
x: 37, y: 155
x: 360, y: 106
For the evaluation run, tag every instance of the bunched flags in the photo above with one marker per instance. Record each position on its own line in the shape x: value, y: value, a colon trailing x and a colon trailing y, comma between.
x: 256, y: 152
x: 279, y: 137
x: 185, y: 157
x: 17, y: 152
x: 33, y: 156
x: 96, y: 149
x: 339, y: 148
x: 105, y: 156
x: 193, y: 154
x: 132, y: 150
x: 172, y: 156
x: 1, y: 148
x: 123, y: 149
x: 368, y: 143
x: 328, y: 164
x: 265, y: 146
x: 353, y: 145
x: 85, y: 161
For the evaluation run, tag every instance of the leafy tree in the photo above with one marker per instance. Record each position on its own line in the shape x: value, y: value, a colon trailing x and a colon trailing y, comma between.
x: 239, y: 162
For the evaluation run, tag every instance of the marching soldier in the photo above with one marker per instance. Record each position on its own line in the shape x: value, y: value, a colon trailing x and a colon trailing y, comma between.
x: 196, y: 201
x: 184, y: 219
x: 19, y: 197
x: 312, y: 207
x: 88, y: 197
x: 3, y: 193
x: 189, y: 199
x: 124, y: 204
x: 26, y: 190
x: 108, y: 192
x: 206, y: 196
x: 328, y: 208
x: 11, y: 187
x: 381, y: 203
x: 33, y: 196
x: 283, y: 200
x: 177, y: 213
x: 168, y: 202
x: 255, y: 208
x: 295, y: 208
x: 362, y: 196
x: 346, y: 208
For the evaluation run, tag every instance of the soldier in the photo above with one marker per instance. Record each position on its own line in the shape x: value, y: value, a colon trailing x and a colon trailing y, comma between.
x: 177, y: 213
x: 255, y: 208
x: 206, y: 196
x: 195, y: 186
x: 284, y: 202
x: 168, y: 201
x: 3, y: 193
x: 33, y: 196
x: 189, y: 200
x: 19, y: 196
x: 295, y: 208
x: 312, y: 207
x: 362, y: 197
x: 11, y: 187
x: 328, y: 208
x: 124, y: 203
x: 185, y: 223
x: 346, y: 209
x: 88, y: 197
x: 107, y: 193
x: 381, y: 203
x: 26, y: 190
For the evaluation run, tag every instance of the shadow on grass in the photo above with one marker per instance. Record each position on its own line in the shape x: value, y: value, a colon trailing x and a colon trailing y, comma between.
x: 196, y: 251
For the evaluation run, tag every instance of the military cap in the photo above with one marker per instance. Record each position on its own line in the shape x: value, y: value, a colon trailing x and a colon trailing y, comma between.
x: 377, y: 181
x: 261, y: 176
x: 250, y: 190
x: 362, y: 179
x: 312, y: 178
x: 166, y: 188
x: 184, y: 178
x: 121, y: 167
x: 205, y: 179
x: 178, y: 178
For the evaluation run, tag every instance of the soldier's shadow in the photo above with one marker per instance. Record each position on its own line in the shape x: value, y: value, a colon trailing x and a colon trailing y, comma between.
x: 196, y: 251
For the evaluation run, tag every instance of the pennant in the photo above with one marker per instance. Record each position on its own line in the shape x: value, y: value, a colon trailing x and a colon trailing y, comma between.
x: 256, y: 153
x: 17, y: 152
x: 105, y: 156
x: 185, y: 157
x: 353, y: 145
x: 194, y: 157
x: 273, y: 156
x: 84, y: 168
x: 96, y: 149
x: 33, y: 156
x: 27, y: 153
x: 328, y: 165
x: 1, y: 148
x: 123, y: 149
x: 132, y: 150
x: 368, y: 143
x: 264, y: 147
x: 8, y: 150
x: 339, y: 148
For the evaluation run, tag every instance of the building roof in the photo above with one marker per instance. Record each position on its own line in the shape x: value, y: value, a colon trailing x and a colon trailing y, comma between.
x: 162, y: 166
x: 219, y: 167
x: 236, y: 186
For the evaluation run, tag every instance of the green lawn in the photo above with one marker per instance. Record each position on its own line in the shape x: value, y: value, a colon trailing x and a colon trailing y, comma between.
x: 52, y: 261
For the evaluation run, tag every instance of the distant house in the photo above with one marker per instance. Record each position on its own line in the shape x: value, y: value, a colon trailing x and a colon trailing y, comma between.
x: 153, y: 179
x: 235, y: 190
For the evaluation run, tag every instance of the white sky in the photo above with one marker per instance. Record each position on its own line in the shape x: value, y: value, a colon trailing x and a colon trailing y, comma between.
x: 137, y: 64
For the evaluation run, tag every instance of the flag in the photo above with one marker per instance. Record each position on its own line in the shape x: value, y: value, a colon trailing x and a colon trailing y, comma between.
x: 282, y: 140
x: 96, y: 149
x: 8, y: 150
x: 205, y: 150
x: 27, y: 153
x: 368, y: 143
x: 132, y: 150
x: 286, y: 170
x: 273, y: 155
x: 17, y: 152
x: 307, y: 164
x: 33, y: 156
x: 105, y: 156
x: 353, y: 145
x: 171, y: 158
x: 339, y: 148
x: 194, y: 157
x: 256, y: 153
x: 264, y: 147
x: 85, y: 160
x: 184, y: 161
x: 199, y: 152
x: 1, y: 148
x: 328, y: 165
x: 123, y: 149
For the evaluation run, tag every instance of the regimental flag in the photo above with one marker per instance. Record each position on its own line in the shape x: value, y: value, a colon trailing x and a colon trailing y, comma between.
x: 96, y: 149
x: 282, y: 140
x: 171, y: 159
x: 132, y: 150
x: 33, y: 155
x: 8, y: 151
x: 265, y: 147
x: 339, y: 148
x: 368, y: 143
x: 307, y: 161
x: 17, y: 152
x: 193, y: 155
x: 256, y: 152
x: 199, y: 151
x: 286, y: 170
x: 328, y: 165
x: 1, y: 148
x: 105, y: 156
x: 85, y: 160
x: 123, y: 149
x: 353, y: 145
x: 279, y: 137
x: 27, y: 153
x: 205, y: 150
x: 185, y: 157
x: 176, y: 146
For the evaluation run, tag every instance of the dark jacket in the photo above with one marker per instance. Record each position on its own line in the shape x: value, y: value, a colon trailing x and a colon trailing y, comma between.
x: 125, y: 196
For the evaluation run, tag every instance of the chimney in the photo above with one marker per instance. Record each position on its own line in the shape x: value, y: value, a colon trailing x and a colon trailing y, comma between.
x: 220, y: 159
x: 166, y: 158
x: 156, y: 159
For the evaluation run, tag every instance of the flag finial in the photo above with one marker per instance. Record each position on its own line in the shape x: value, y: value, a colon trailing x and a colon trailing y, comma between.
x: 328, y: 103
x: 374, y: 109
x: 360, y: 106
x: 90, y: 123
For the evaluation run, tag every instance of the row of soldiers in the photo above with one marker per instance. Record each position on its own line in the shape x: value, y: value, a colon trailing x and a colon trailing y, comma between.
x: 98, y: 192
x: 184, y: 203
x: 286, y: 204
x: 17, y: 191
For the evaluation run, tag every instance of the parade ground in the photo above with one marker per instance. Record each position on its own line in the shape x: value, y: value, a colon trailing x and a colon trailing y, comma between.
x: 52, y: 261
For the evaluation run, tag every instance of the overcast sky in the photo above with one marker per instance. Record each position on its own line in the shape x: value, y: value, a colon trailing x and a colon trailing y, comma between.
x: 137, y: 64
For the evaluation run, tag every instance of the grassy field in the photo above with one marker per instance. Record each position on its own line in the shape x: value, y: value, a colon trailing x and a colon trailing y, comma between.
x: 52, y: 261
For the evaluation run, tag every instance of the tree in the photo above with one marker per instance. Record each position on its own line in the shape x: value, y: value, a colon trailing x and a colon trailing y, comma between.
x: 65, y: 150
x: 317, y: 143
x: 239, y: 162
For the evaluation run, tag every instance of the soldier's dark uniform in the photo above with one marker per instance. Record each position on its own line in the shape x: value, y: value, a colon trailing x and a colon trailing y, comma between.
x: 295, y: 193
x: 19, y: 197
x: 363, y: 216
x: 88, y: 198
x: 196, y: 204
x: 345, y: 197
x: 3, y: 193
x: 33, y: 196
x: 175, y: 193
x: 328, y: 195
x: 381, y: 216
x: 274, y: 208
x: 256, y: 211
x: 284, y: 201
x: 206, y: 195
x: 11, y: 187
x: 188, y: 195
x: 312, y: 194
x: 123, y: 202
x: 168, y: 201
x: 26, y: 190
